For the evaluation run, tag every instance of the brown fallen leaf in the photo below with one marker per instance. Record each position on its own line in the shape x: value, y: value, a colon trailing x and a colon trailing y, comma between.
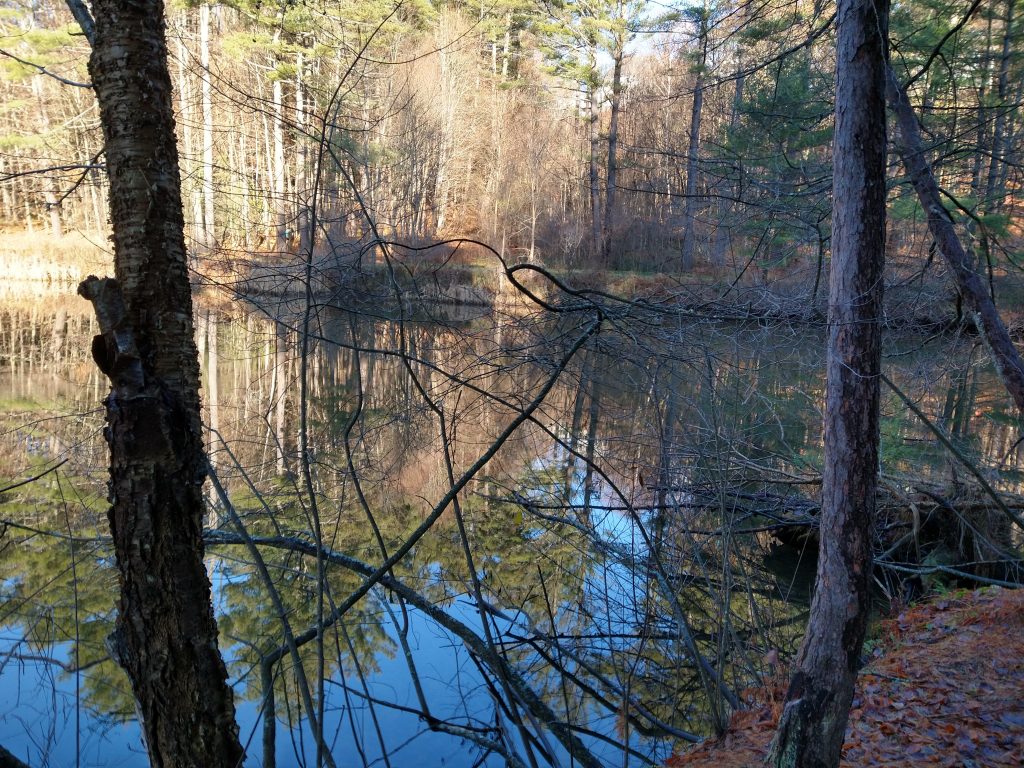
x: 949, y: 696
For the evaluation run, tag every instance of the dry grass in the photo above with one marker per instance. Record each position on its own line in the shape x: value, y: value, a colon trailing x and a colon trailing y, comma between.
x: 42, y: 264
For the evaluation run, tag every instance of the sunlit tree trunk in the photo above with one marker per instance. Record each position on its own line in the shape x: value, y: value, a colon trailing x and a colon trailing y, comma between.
x: 209, y: 229
x: 301, y: 192
x: 165, y: 636
x: 53, y: 207
x: 441, y: 190
x: 986, y: 317
x: 279, y: 205
x: 613, y: 141
x: 506, y: 48
x: 49, y: 187
x: 693, y: 151
x: 6, y: 194
x: 813, y: 723
x: 30, y: 226
x: 595, y: 153
x: 241, y: 169
x: 187, y: 143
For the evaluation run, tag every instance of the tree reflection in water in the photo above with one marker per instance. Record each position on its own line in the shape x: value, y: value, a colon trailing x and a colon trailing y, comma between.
x: 536, y: 540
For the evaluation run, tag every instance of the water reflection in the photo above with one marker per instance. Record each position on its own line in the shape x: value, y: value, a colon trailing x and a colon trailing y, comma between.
x: 613, y: 557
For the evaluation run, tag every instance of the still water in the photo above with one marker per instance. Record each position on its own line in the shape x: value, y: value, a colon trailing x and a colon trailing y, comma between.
x: 600, y: 563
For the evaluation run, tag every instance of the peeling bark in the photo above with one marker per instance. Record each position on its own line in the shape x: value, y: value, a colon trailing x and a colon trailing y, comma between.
x: 166, y: 636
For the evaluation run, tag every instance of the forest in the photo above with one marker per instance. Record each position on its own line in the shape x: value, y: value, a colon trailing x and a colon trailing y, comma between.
x: 586, y: 136
x: 516, y: 384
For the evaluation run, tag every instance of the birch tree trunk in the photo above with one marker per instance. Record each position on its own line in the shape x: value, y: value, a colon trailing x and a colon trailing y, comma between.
x: 209, y: 229
x: 813, y: 722
x: 49, y: 186
x: 280, y: 181
x: 165, y: 636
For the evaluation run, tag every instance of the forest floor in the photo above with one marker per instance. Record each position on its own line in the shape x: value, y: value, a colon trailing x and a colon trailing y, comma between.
x: 944, y: 687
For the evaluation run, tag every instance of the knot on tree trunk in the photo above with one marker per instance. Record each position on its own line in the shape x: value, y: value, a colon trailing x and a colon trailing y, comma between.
x: 114, y: 348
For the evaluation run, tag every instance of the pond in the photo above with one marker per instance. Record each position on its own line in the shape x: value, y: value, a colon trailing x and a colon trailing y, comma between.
x: 592, y: 504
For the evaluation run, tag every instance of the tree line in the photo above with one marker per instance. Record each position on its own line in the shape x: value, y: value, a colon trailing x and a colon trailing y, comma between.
x: 606, y: 135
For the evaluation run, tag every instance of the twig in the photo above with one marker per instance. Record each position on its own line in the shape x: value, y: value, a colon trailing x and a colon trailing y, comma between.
x: 84, y: 18
x: 938, y: 48
x: 44, y: 71
x: 42, y: 474
x: 55, y: 169
x: 944, y: 439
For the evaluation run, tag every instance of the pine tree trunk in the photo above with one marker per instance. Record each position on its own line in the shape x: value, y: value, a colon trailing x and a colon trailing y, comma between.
x: 593, y: 124
x: 185, y: 108
x: 608, y: 221
x: 209, y: 227
x: 723, y: 231
x: 165, y: 637
x: 994, y: 194
x: 986, y: 317
x: 49, y: 185
x: 692, y: 157
x: 302, y: 194
x: 813, y: 722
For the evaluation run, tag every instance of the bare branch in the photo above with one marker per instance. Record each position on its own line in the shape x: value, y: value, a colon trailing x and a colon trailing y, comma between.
x: 32, y: 479
x: 83, y: 16
x: 55, y: 169
x: 44, y: 71
x: 938, y: 47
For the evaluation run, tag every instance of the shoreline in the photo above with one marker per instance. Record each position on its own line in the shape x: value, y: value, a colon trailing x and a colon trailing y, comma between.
x: 40, y: 268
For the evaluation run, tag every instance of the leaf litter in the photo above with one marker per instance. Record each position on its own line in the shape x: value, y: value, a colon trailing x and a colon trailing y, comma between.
x: 944, y: 687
